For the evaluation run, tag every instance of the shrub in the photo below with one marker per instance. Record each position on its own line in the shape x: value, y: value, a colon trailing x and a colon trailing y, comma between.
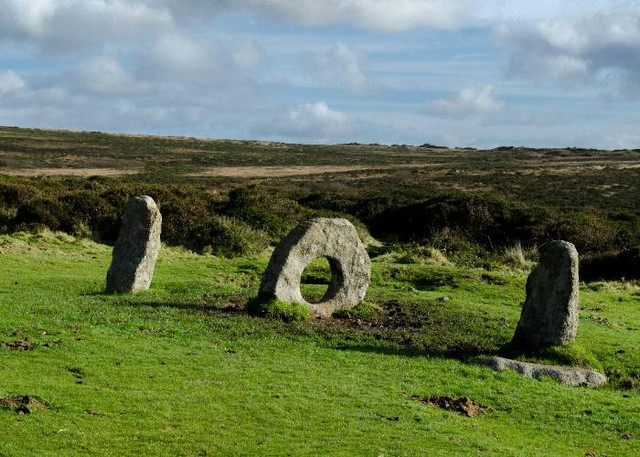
x: 269, y: 212
x: 45, y: 211
x: 456, y: 222
x: 230, y: 237
x: 611, y: 266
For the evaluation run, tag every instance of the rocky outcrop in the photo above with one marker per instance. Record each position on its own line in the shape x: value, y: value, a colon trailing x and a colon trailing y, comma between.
x: 137, y: 248
x: 550, y: 313
x: 335, y: 239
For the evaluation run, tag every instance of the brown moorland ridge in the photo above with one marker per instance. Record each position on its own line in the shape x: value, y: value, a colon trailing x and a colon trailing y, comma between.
x: 561, y: 177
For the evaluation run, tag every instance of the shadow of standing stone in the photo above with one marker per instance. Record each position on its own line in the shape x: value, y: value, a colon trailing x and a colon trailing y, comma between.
x: 550, y: 313
x: 137, y: 248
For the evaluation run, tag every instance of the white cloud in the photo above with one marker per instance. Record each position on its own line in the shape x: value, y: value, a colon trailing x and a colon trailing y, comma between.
x: 564, y: 66
x: 70, y: 25
x: 471, y: 101
x: 178, y: 61
x: 339, y: 65
x: 623, y: 140
x: 500, y: 11
x: 589, y: 47
x: 104, y: 75
x: 248, y: 55
x: 179, y: 55
x: 314, y: 121
x: 380, y: 15
x: 10, y: 81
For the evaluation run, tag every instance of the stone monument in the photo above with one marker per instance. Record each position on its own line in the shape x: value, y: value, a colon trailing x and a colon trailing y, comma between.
x: 335, y: 239
x: 137, y: 248
x: 550, y: 313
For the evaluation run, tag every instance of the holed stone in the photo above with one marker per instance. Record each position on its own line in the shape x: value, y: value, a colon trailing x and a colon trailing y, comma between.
x: 335, y: 239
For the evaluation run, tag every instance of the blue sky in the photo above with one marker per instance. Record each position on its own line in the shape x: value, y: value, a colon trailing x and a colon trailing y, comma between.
x: 451, y: 72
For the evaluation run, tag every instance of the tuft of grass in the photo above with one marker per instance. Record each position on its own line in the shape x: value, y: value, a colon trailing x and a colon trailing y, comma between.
x: 422, y: 255
x: 614, y: 286
x: 570, y: 355
x: 516, y: 257
x: 411, y: 254
x: 277, y: 309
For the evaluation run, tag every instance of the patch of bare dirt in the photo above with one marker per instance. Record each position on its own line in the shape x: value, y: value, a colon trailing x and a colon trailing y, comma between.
x: 20, y: 345
x: 462, y: 405
x: 22, y: 404
x: 80, y: 172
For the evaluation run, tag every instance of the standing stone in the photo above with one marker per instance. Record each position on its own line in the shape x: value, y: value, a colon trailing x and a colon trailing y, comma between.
x: 335, y: 239
x: 550, y: 313
x: 137, y: 248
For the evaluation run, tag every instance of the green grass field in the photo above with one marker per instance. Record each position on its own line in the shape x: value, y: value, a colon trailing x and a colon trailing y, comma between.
x: 183, y: 370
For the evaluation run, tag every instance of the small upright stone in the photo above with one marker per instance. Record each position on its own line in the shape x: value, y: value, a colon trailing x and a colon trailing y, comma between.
x: 550, y: 313
x: 137, y: 248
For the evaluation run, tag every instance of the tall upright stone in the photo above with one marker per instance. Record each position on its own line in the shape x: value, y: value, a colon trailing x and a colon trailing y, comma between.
x: 137, y: 248
x: 550, y: 312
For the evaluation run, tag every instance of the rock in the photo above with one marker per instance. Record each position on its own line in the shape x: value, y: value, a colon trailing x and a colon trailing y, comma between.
x: 335, y: 239
x: 550, y: 313
x: 567, y: 375
x: 137, y: 248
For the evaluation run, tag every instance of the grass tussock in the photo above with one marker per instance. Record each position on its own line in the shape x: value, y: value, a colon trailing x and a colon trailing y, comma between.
x: 516, y: 257
x: 572, y: 355
x: 278, y: 309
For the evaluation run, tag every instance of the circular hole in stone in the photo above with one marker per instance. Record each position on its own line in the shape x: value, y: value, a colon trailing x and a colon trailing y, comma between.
x: 315, y: 280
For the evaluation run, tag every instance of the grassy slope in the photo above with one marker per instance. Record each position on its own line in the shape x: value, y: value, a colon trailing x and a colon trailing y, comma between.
x: 168, y: 373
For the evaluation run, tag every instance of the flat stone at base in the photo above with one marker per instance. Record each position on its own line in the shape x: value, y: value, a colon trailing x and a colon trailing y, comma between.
x: 137, y: 248
x: 566, y: 375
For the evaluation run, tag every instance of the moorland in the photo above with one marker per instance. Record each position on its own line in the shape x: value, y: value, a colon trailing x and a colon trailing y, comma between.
x: 185, y: 369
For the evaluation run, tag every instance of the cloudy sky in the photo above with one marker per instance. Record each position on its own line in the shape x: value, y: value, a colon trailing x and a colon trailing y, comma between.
x: 452, y: 72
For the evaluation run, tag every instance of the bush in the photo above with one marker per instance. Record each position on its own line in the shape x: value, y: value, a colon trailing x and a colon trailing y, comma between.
x: 269, y: 212
x: 458, y: 222
x: 230, y: 238
x: 611, y: 266
x: 467, y: 228
x: 44, y: 211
